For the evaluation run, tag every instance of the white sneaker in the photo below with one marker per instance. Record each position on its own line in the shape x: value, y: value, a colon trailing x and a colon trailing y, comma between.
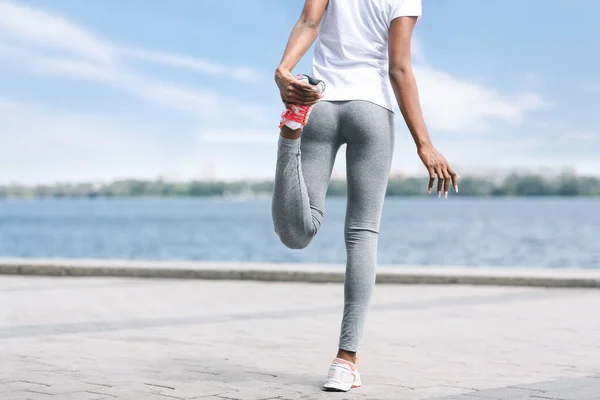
x: 296, y: 117
x: 342, y: 376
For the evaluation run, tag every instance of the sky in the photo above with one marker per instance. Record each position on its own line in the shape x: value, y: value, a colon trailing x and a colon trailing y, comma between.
x: 104, y: 90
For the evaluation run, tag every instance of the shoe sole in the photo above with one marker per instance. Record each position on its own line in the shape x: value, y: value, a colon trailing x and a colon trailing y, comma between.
x: 336, y: 386
x: 333, y: 389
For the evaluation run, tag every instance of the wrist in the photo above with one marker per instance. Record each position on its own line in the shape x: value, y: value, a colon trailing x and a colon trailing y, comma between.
x: 423, y: 144
x: 281, y: 70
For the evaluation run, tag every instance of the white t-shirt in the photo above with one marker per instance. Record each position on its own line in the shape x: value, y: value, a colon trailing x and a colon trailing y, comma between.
x: 351, y: 53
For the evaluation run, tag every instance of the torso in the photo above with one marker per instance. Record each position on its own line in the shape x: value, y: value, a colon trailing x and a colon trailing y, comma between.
x: 351, y: 54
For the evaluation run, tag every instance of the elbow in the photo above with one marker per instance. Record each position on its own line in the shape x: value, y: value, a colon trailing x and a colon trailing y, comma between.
x: 309, y: 23
x: 400, y: 72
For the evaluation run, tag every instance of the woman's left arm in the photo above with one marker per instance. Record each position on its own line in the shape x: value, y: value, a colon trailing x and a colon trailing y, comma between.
x: 303, y: 35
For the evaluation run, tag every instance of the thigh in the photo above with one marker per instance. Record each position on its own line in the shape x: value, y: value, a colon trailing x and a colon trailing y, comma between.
x: 369, y: 132
x: 319, y: 146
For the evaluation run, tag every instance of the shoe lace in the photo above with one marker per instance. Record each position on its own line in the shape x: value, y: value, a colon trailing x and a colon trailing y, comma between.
x: 296, y: 114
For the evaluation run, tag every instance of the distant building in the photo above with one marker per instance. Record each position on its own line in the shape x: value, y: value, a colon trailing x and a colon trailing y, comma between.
x: 397, y: 174
x: 337, y: 174
x: 209, y: 170
x: 171, y: 177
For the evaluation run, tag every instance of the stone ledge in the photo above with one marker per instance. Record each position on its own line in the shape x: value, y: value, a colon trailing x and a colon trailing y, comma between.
x: 317, y: 273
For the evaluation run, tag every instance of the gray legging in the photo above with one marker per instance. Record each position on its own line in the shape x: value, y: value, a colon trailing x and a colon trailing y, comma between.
x: 304, y: 168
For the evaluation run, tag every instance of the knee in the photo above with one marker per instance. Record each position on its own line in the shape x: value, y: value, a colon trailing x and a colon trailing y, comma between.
x: 295, y: 236
x: 363, y: 232
x: 293, y: 240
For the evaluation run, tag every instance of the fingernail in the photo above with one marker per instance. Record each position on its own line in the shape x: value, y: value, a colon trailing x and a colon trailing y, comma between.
x: 446, y: 194
x: 429, y: 191
x: 456, y: 189
x: 458, y: 176
x: 439, y: 195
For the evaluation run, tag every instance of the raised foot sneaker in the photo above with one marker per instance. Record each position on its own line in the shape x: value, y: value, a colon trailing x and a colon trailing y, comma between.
x: 342, y: 376
x: 296, y: 117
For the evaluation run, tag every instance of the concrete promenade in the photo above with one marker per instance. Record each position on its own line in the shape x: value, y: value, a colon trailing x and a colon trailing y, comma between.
x: 300, y: 272
x: 128, y: 338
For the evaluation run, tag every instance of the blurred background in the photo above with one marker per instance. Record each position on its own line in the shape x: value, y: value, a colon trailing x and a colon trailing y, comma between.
x: 147, y: 129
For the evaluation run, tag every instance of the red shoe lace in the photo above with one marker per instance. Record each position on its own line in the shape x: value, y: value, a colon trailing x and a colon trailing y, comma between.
x: 297, y: 114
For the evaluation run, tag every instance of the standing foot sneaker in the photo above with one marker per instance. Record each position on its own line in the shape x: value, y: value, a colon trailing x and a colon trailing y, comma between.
x: 342, y: 376
x: 296, y: 117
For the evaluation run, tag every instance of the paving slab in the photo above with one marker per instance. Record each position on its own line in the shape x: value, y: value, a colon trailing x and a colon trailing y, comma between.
x: 123, y: 338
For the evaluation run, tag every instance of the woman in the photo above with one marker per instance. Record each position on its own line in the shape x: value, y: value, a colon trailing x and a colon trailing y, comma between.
x: 361, y: 60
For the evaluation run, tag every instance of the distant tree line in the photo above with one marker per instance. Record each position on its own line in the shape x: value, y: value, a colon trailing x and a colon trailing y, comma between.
x: 513, y: 185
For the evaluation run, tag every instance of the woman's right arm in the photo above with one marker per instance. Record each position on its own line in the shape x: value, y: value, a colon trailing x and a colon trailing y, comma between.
x: 302, y: 37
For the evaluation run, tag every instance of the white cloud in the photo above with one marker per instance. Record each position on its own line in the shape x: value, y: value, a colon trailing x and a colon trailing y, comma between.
x: 179, y: 97
x: 582, y: 135
x: 72, y: 68
x: 6, y: 104
x: 450, y: 104
x: 192, y: 63
x: 45, y: 43
x: 45, y: 144
x: 40, y: 145
x: 591, y: 87
x: 494, y: 156
x: 453, y: 104
x: 195, y: 102
x: 532, y: 80
x: 41, y: 28
x: 417, y: 50
x: 30, y: 26
x: 241, y: 136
